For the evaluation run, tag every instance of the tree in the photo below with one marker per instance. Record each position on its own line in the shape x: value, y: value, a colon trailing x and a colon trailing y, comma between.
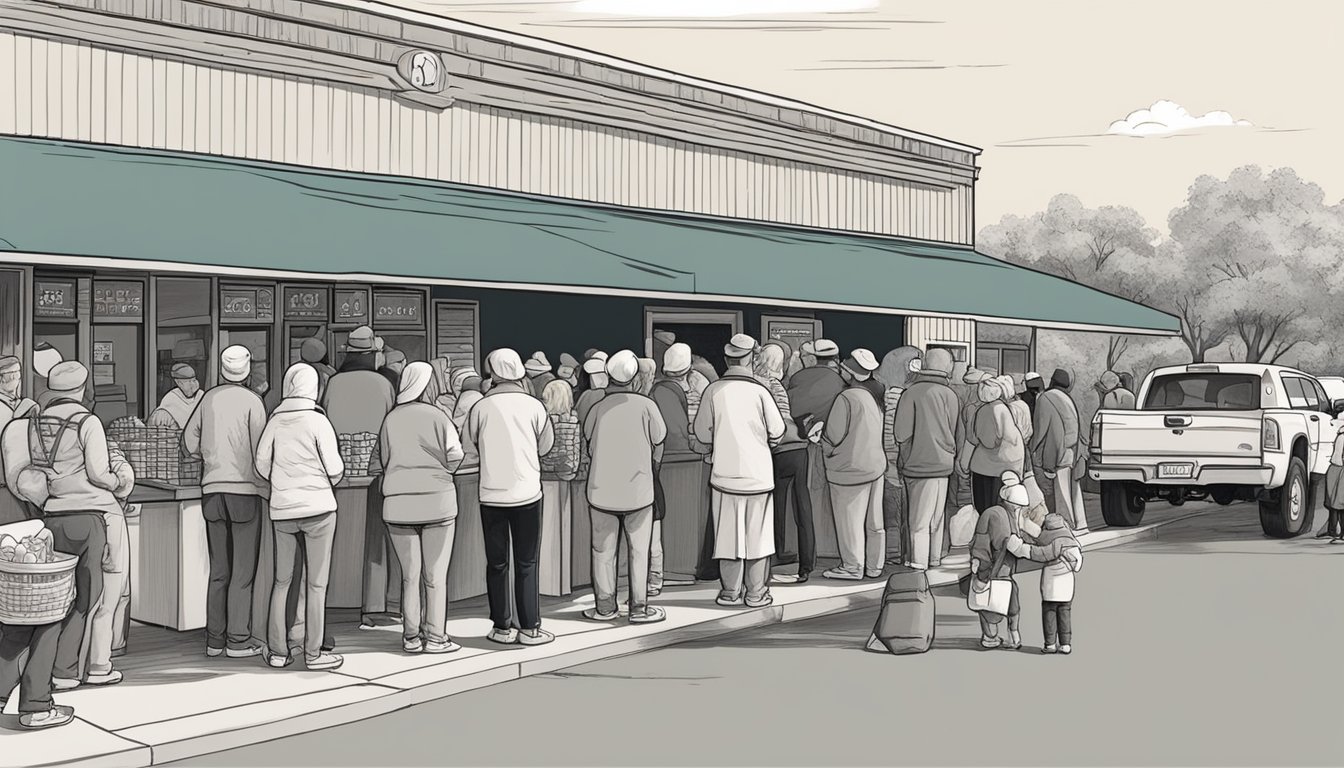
x: 1111, y: 249
x: 1262, y: 257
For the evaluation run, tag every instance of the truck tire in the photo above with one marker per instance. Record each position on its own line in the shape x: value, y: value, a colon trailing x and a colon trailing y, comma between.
x: 1122, y: 503
x: 1223, y: 496
x: 1285, y: 512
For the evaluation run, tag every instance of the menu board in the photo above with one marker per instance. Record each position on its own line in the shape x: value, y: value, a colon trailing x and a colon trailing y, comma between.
x: 794, y: 333
x: 404, y: 309
x: 54, y: 299
x: 238, y: 304
x: 305, y: 303
x: 119, y: 300
x: 352, y: 306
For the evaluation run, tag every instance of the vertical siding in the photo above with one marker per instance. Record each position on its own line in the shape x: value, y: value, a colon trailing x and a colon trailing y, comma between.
x: 82, y: 93
x: 919, y: 331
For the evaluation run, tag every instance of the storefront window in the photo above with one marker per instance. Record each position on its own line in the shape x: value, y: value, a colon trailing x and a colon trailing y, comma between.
x: 118, y: 349
x: 399, y: 318
x: 11, y: 307
x: 183, y: 330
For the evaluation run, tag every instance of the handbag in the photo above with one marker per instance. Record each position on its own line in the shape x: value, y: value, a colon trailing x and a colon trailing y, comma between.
x: 993, y: 596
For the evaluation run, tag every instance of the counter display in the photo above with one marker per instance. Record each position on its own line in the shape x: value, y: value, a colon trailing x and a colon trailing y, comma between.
x: 170, y: 563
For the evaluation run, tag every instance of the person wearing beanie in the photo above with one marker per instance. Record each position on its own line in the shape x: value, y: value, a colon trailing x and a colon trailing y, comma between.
x: 739, y: 419
x: 926, y: 430
x: 677, y: 399
x: 421, y: 450
x: 177, y: 406
x: 851, y: 442
x: 394, y: 362
x: 1114, y: 396
x: 512, y: 432
x: 790, y: 456
x: 298, y: 454
x: 223, y: 433
x: 624, y: 434
x: 1035, y: 386
x: 12, y: 407
x: 538, y: 373
x: 1055, y: 448
x: 595, y: 376
x: 314, y: 352
x: 1061, y: 555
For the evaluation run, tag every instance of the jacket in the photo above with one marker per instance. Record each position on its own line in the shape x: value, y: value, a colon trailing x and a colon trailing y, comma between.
x: 1334, y: 476
x: 1057, y: 581
x: 586, y: 401
x: 80, y: 478
x: 925, y: 428
x: 875, y: 388
x: 812, y: 392
x: 357, y: 401
x: 471, y: 458
x: 792, y: 440
x: 223, y: 432
x: 739, y: 418
x: 673, y: 403
x: 998, y: 443
x: 511, y: 431
x: 1120, y: 399
x: 852, y: 439
x: 420, y: 451
x: 1055, y: 440
x: 623, y: 432
x: 299, y: 456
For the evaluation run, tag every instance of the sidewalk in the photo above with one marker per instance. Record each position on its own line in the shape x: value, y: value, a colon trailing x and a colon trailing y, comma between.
x: 176, y: 703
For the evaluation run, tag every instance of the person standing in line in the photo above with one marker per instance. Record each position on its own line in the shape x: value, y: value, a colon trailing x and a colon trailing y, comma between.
x: 671, y: 394
x: 421, y: 450
x: 511, y: 431
x: 1035, y: 386
x: 739, y: 418
x: 595, y: 371
x: 925, y: 431
x: 468, y: 395
x: 569, y: 371
x: 852, y: 444
x: 12, y: 407
x: 538, y: 373
x: 394, y: 362
x: 1334, y: 494
x: 562, y: 461
x: 998, y: 445
x: 224, y: 432
x: 624, y: 435
x: 648, y: 372
x: 357, y: 400
x: 790, y: 470
x: 1055, y: 446
x: 895, y: 372
x: 1114, y: 396
x: 299, y: 456
x: 314, y: 352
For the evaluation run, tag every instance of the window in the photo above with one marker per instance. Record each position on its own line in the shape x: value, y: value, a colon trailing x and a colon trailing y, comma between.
x: 1207, y: 392
x: 1002, y: 358
x: 183, y: 317
x: 1301, y: 394
x: 1326, y: 402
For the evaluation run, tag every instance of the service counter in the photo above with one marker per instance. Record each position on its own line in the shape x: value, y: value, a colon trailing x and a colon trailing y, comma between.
x: 170, y: 564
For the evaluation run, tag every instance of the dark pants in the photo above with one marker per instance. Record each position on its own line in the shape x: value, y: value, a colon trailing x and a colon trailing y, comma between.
x: 382, y: 569
x: 35, y: 680
x: 896, y: 517
x: 791, y: 473
x: 985, y: 491
x: 1058, y: 619
x: 1333, y: 524
x: 84, y: 535
x: 522, y: 525
x: 707, y: 568
x: 233, y: 537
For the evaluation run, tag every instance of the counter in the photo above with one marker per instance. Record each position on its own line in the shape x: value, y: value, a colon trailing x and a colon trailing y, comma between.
x: 170, y: 563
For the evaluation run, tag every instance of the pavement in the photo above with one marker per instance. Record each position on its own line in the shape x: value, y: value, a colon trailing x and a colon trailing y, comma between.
x: 175, y: 704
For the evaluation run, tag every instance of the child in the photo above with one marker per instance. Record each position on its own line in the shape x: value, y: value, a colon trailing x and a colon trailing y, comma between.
x: 1056, y: 578
x: 1334, y: 494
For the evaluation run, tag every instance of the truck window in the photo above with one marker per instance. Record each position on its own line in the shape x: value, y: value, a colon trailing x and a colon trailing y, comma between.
x: 1301, y: 394
x: 1204, y: 392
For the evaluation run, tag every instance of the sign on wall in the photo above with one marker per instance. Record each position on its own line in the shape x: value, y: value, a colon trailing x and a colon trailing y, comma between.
x: 352, y: 306
x: 238, y: 304
x: 119, y: 300
x: 302, y: 303
x: 792, y: 331
x: 399, y: 309
x: 55, y: 299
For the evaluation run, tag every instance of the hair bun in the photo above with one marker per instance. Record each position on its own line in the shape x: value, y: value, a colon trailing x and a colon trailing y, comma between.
x: 1010, y: 479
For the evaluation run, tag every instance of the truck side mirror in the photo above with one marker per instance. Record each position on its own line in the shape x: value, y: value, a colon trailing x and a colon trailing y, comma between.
x: 1336, y: 408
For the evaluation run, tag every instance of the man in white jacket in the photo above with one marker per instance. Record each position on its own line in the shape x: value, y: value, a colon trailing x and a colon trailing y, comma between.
x: 739, y: 418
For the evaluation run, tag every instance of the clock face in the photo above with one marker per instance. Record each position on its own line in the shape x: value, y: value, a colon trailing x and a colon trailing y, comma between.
x: 425, y: 71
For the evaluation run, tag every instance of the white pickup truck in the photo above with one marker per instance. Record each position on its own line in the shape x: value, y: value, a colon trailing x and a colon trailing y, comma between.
x: 1226, y: 431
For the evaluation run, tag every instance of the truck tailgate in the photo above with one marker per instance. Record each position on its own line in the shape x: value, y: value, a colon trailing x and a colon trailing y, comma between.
x: 1191, y: 434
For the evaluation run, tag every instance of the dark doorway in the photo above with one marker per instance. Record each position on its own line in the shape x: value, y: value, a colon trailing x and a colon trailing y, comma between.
x: 705, y: 339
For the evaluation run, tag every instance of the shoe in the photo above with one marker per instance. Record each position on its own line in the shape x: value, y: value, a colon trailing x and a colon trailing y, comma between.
x: 836, y: 573
x: 650, y: 615
x: 109, y: 678
x: 872, y: 574
x: 447, y: 646
x: 328, y: 645
x: 1049, y: 649
x: 536, y: 636
x: 1066, y: 649
x: 503, y: 636
x: 592, y: 614
x: 52, y: 718
x: 64, y: 684
x: 1015, y: 642
x: 788, y: 558
x: 991, y: 643
x: 413, y: 645
x: 276, y: 662
x: 728, y: 602
x: 1337, y: 540
x: 243, y: 653
x: 1325, y: 534
x: 213, y: 652
x: 803, y: 576
x: 325, y: 662
x: 763, y: 602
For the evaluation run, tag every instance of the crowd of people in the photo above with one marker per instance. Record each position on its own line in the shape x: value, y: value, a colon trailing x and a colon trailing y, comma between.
x: 895, y: 443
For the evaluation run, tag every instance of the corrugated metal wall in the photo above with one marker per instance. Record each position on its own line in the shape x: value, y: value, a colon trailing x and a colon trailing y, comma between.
x: 919, y: 331
x: 77, y: 92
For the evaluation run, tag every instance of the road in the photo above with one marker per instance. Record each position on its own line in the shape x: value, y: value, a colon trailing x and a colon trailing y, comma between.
x: 1209, y: 646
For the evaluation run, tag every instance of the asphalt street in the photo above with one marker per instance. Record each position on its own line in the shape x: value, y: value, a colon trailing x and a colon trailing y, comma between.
x: 1211, y: 645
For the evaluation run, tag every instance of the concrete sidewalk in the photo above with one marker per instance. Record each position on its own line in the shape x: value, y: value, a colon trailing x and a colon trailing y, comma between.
x: 176, y: 703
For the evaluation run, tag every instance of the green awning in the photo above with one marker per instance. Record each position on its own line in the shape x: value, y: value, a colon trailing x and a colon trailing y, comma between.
x: 96, y: 201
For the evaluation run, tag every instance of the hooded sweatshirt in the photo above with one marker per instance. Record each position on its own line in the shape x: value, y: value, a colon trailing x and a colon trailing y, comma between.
x: 1055, y: 438
x: 223, y: 432
x: 998, y: 443
x: 925, y: 428
x: 511, y: 431
x: 298, y: 453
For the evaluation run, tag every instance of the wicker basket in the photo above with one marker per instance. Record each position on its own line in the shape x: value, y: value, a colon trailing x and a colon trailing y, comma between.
x: 357, y: 452
x: 155, y: 453
x: 37, y: 593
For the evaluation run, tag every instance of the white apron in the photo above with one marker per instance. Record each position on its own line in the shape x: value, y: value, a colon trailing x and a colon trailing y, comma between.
x: 744, y: 526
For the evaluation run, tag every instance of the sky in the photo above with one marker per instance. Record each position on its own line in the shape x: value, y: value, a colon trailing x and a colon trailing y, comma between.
x: 1117, y: 103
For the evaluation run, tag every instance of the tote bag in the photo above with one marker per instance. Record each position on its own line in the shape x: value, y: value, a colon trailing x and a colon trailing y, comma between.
x: 993, y: 596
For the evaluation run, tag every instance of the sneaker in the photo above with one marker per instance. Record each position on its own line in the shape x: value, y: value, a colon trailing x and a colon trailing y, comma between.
x: 1337, y: 540
x: 1015, y: 642
x: 325, y: 662
x: 593, y: 614
x: 728, y: 602
x: 276, y: 662
x: 213, y: 652
x: 1066, y: 649
x: 803, y: 576
x: 243, y: 653
x: 763, y: 602
x: 536, y: 636
x: 412, y: 645
x: 1049, y: 649
x: 64, y: 684
x: 107, y: 678
x: 446, y: 646
x: 503, y: 636
x: 841, y: 575
x: 991, y: 643
x: 52, y: 718
x: 1325, y: 534
x: 650, y: 615
x: 655, y: 591
x: 872, y: 574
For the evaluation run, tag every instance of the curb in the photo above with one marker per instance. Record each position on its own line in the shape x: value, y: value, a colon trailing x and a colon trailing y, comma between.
x: 148, y: 745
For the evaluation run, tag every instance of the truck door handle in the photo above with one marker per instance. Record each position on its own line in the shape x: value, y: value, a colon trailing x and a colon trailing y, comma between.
x: 1315, y: 418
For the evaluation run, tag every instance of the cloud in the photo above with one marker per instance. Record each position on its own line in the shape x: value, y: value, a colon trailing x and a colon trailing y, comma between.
x: 720, y: 8
x: 1168, y: 117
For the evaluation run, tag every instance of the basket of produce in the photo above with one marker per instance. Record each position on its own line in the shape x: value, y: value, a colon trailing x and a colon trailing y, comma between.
x: 357, y: 452
x: 155, y: 453
x: 563, y: 459
x: 37, y: 584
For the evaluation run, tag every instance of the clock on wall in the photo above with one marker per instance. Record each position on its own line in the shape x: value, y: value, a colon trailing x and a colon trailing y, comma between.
x: 423, y: 70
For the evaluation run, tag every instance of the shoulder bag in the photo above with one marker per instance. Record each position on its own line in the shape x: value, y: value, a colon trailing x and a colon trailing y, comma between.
x: 995, y: 595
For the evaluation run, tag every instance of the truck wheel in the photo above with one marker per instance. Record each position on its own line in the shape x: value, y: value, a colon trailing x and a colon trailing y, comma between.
x: 1122, y: 504
x: 1285, y: 511
x: 1224, y: 496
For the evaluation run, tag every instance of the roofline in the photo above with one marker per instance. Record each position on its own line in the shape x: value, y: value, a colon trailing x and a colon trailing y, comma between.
x: 150, y: 265
x: 560, y: 49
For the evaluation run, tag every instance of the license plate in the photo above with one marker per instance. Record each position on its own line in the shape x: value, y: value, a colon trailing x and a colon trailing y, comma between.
x: 1175, y: 470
